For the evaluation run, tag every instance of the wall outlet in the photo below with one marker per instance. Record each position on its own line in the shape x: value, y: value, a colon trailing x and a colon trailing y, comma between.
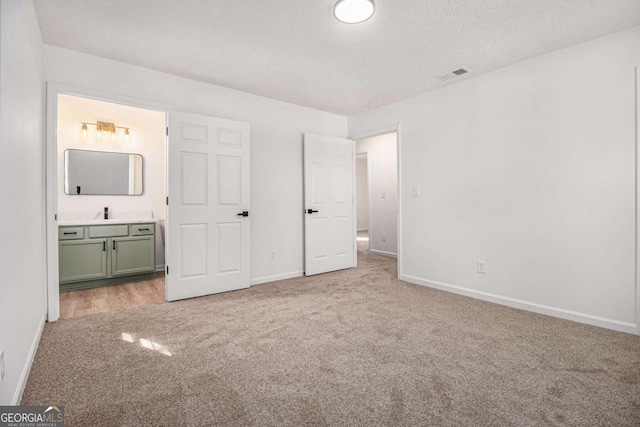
x: 482, y: 267
x: 1, y: 365
x: 384, y: 237
x: 272, y: 255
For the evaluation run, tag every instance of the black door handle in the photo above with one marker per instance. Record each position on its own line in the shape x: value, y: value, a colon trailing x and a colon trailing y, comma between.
x: 244, y: 213
x: 104, y: 245
x: 310, y: 211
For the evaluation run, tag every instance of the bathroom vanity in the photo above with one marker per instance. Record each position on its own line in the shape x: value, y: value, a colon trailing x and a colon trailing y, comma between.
x: 96, y: 253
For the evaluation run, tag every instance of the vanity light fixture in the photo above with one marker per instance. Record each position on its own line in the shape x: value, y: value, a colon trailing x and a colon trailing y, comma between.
x: 102, y: 127
x: 354, y: 11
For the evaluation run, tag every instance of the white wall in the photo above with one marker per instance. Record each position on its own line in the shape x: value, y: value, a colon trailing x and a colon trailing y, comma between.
x: 276, y: 143
x: 530, y: 168
x: 383, y: 162
x: 22, y: 287
x: 147, y: 137
x: 362, y: 193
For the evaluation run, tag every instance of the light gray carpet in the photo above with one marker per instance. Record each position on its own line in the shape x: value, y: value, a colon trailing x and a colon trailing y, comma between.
x: 354, y: 348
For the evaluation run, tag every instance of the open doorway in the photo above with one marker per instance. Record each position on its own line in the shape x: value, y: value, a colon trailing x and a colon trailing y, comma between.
x: 362, y: 201
x: 377, y: 194
x: 107, y: 187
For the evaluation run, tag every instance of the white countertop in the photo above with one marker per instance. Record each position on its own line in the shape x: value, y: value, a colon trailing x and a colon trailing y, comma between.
x: 65, y: 222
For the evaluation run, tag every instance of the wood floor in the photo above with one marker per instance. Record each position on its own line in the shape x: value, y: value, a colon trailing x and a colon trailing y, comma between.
x: 110, y: 298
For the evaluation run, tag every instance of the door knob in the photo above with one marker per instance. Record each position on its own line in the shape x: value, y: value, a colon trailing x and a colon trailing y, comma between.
x: 244, y: 213
x: 310, y: 211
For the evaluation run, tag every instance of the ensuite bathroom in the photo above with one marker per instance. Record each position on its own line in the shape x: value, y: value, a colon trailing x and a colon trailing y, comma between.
x: 110, y: 204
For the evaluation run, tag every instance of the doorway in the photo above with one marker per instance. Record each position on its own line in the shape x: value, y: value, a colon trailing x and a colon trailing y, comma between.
x: 81, y: 121
x: 362, y: 201
x: 377, y: 192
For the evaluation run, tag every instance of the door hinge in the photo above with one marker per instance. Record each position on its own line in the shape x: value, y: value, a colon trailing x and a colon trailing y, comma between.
x: 55, y: 217
x: 167, y: 130
x: 167, y: 200
x: 167, y: 269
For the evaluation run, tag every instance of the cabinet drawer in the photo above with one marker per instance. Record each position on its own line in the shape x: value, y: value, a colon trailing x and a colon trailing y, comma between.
x: 108, y: 231
x: 70, y: 233
x: 142, y: 229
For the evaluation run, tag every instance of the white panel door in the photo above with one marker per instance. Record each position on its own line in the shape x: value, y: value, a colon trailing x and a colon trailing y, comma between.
x: 207, y: 245
x: 329, y: 225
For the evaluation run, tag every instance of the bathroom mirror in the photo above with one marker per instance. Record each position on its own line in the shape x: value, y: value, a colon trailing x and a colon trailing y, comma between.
x: 102, y: 173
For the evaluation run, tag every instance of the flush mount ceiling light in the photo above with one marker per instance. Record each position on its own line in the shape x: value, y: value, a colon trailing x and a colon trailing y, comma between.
x: 354, y: 11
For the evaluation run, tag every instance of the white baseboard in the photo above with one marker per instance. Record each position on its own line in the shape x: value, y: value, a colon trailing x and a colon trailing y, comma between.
x: 267, y: 279
x: 384, y: 253
x: 22, y: 382
x: 588, y: 319
x: 159, y: 268
x: 363, y: 229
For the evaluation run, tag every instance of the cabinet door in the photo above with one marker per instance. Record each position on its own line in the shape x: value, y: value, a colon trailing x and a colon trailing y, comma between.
x: 82, y: 260
x: 133, y: 255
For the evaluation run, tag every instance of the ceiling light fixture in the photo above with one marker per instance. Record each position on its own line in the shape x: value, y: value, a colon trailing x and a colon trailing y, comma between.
x: 354, y: 11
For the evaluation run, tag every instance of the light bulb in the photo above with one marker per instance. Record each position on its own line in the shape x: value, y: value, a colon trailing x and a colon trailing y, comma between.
x: 353, y: 11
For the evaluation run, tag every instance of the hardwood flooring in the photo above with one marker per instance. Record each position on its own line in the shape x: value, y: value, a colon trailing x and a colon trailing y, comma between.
x: 110, y: 298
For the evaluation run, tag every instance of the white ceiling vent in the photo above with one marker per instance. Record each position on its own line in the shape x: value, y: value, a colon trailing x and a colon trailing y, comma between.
x: 454, y: 73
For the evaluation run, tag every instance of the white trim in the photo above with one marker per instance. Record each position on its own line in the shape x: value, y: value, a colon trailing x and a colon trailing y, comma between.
x: 51, y: 185
x: 369, y: 194
x: 637, y: 195
x: 363, y: 229
x: 22, y: 382
x: 160, y: 267
x: 51, y: 150
x: 275, y: 278
x: 588, y: 319
x: 354, y: 204
x: 384, y: 253
x: 382, y: 131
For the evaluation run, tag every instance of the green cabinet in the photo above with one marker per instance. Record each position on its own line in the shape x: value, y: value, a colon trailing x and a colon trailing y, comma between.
x: 83, y: 260
x: 105, y: 254
x: 132, y: 255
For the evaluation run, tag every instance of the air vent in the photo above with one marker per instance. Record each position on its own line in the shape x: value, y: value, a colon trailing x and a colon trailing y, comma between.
x: 455, y: 73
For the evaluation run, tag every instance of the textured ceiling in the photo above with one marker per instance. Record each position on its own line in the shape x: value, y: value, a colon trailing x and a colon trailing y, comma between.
x: 296, y: 51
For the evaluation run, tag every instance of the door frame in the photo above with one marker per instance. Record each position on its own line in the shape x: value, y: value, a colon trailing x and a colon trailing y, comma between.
x: 377, y: 132
x: 368, y: 158
x: 53, y: 90
x: 637, y: 195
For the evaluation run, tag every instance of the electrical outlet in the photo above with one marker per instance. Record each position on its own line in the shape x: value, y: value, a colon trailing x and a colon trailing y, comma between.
x: 272, y: 255
x: 384, y: 237
x: 482, y: 267
x: 1, y: 365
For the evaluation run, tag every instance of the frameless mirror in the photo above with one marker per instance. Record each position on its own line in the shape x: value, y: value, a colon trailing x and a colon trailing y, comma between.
x: 102, y: 173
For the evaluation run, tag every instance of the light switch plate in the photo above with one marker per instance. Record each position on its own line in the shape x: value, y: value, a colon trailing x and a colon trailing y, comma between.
x: 482, y: 267
x: 1, y: 365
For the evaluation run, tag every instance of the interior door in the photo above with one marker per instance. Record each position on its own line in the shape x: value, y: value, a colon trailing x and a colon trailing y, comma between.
x: 208, y: 206
x: 329, y: 225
